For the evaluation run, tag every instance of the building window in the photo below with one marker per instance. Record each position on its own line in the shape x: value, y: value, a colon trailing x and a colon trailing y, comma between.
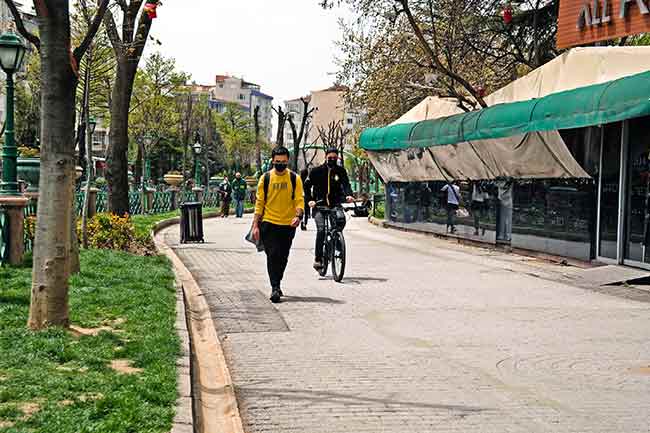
x: 350, y: 121
x: 241, y: 96
x: 221, y: 86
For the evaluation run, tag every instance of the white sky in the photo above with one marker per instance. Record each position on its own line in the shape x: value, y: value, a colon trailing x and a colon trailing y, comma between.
x: 286, y: 46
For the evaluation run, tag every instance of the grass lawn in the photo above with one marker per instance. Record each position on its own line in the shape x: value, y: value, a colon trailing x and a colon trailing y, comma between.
x: 56, y: 382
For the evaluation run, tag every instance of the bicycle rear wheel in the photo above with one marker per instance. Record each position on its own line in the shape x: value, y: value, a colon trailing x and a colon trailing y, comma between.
x: 338, y: 256
x: 326, y: 258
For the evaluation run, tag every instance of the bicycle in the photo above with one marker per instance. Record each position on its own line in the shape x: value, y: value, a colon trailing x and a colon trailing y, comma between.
x: 334, y: 245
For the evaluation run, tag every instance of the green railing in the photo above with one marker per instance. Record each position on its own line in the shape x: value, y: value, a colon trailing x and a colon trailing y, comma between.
x: 4, y: 237
x: 186, y: 196
x: 135, y: 203
x: 211, y: 199
x: 30, y: 219
x: 102, y: 202
x: 162, y: 202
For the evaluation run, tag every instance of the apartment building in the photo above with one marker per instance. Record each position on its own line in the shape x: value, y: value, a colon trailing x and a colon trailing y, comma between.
x: 248, y: 96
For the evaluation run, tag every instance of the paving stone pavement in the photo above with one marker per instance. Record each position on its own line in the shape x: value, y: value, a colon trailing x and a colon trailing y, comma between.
x: 422, y: 336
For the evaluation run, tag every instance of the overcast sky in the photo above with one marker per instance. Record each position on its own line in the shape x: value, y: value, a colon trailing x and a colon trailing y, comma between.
x: 286, y: 46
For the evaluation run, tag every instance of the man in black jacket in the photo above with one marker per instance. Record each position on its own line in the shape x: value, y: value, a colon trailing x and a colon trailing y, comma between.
x: 327, y: 185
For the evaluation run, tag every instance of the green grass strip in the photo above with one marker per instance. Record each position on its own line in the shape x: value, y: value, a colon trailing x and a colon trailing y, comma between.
x: 52, y: 381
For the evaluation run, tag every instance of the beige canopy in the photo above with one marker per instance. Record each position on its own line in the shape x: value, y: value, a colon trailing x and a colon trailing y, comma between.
x: 538, y: 155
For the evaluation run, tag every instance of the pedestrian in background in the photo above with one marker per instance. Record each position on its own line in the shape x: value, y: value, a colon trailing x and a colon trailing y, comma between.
x: 239, y: 189
x: 225, y: 190
x: 304, y: 174
x: 453, y: 202
x: 278, y: 211
x: 479, y: 206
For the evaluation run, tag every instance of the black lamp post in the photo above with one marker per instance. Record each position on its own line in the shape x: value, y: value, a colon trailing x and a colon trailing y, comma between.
x: 12, y: 53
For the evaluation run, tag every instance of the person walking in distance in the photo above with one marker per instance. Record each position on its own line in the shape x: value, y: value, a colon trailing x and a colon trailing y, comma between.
x: 453, y: 202
x: 304, y: 175
x: 239, y: 189
x: 279, y: 209
x: 226, y: 195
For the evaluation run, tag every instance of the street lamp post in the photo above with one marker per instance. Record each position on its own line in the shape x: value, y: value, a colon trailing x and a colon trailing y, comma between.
x: 12, y: 53
x: 146, y: 171
x: 91, y: 125
x: 197, y: 169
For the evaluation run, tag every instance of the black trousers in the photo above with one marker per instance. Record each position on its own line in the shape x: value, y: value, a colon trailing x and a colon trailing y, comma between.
x: 277, y: 242
x: 319, y: 218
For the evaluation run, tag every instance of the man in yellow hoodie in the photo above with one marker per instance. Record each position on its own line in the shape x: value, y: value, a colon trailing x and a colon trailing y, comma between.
x: 278, y: 211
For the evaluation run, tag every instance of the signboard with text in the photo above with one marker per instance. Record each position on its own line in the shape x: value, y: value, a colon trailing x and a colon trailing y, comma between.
x: 582, y: 22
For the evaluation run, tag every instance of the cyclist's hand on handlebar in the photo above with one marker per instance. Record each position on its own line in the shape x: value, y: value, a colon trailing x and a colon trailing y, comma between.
x: 312, y: 204
x: 350, y: 199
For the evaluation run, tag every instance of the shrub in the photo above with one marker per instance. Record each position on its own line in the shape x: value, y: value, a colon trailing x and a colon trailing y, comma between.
x: 29, y: 224
x: 100, y: 182
x: 28, y: 152
x: 110, y: 231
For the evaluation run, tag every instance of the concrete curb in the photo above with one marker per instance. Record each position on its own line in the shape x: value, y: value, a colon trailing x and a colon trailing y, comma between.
x: 215, y: 408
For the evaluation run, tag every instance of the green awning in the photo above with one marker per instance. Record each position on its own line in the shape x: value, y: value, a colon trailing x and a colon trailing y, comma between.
x: 617, y: 100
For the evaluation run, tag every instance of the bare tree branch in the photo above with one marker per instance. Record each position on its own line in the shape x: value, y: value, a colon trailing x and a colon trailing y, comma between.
x: 113, y: 34
x: 20, y: 25
x: 435, y: 61
x: 92, y: 31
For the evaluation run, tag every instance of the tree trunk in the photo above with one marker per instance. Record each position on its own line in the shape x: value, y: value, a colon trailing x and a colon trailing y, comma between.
x: 258, y: 146
x: 49, y: 297
x: 118, y: 164
x: 138, y: 170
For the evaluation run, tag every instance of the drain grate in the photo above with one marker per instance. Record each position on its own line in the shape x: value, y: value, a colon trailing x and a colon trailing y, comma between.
x: 243, y: 311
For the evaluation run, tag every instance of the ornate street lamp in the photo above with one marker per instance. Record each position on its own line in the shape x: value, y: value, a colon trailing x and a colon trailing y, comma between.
x: 12, y: 53
x: 148, y: 140
x: 197, y: 153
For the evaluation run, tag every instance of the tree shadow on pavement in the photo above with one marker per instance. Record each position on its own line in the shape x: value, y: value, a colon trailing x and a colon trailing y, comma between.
x: 312, y: 299
x: 316, y: 397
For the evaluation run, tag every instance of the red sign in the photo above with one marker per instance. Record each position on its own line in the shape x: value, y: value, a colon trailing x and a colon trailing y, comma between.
x: 583, y: 22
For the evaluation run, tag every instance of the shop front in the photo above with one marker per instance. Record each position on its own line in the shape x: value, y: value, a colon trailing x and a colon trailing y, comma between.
x: 567, y: 174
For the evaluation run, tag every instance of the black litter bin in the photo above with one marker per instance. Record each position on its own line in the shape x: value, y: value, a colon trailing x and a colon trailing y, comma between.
x: 191, y: 222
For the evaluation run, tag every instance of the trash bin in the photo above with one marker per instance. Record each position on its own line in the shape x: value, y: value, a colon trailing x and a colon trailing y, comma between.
x: 191, y: 222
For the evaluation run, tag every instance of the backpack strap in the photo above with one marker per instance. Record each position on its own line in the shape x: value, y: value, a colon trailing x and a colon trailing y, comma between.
x: 267, y: 180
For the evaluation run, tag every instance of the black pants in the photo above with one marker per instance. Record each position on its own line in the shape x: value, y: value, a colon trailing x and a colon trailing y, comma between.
x: 305, y: 218
x: 319, y: 218
x: 277, y: 242
x: 451, y: 213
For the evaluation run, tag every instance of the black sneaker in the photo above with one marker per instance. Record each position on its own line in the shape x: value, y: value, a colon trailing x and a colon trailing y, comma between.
x: 275, y: 296
x: 280, y: 291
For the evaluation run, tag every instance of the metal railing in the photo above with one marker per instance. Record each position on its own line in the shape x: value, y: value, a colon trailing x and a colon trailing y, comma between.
x: 4, y: 237
x: 211, y: 199
x: 162, y: 202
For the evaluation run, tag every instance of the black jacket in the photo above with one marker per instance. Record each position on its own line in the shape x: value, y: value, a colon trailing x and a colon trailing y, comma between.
x: 339, y: 185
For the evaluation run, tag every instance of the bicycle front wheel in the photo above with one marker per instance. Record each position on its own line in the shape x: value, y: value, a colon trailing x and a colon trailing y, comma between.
x: 325, y: 260
x: 338, y: 256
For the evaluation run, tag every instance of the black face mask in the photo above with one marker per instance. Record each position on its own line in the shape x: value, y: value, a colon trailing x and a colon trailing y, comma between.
x: 331, y: 163
x: 280, y: 166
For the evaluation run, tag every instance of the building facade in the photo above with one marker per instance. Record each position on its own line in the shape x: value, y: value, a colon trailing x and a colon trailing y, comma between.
x: 248, y: 96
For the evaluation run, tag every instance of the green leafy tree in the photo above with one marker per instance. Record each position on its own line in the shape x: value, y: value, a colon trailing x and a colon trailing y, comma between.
x: 236, y: 130
x: 28, y: 104
x: 153, y: 113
